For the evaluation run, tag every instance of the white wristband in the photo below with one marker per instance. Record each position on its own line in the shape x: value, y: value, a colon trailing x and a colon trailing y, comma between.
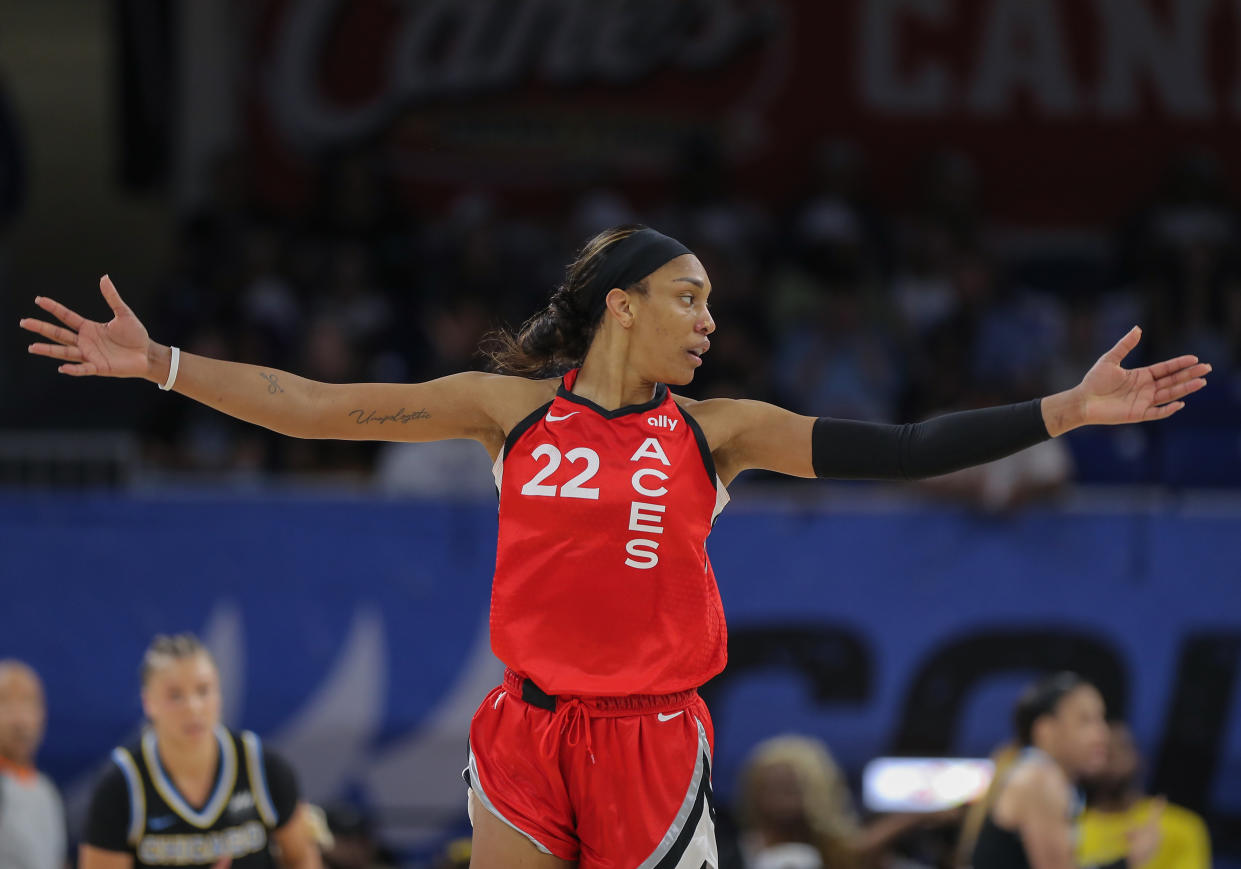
x: 172, y: 369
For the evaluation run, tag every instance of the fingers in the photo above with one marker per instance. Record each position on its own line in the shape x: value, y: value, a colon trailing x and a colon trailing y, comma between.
x: 81, y: 369
x: 1202, y: 369
x: 72, y: 319
x: 1181, y: 383
x: 1163, y: 411
x: 1180, y: 390
x: 111, y: 296
x: 1171, y: 366
x: 1124, y: 346
x: 56, y: 351
x: 47, y: 330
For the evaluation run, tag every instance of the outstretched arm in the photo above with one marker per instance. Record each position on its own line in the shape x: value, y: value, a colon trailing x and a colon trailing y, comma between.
x: 753, y: 434
x: 459, y: 406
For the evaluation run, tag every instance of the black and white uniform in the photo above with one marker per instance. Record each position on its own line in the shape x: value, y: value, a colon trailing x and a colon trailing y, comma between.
x: 136, y: 808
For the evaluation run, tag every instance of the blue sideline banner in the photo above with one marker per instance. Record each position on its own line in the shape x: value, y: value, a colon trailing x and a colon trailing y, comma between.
x: 351, y: 633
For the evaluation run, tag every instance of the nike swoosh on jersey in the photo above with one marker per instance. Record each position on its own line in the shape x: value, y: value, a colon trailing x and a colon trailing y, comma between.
x: 662, y: 717
x: 161, y: 823
x: 551, y: 418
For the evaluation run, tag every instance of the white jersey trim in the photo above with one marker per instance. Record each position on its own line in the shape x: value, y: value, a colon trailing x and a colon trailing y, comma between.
x: 721, y: 498
x: 258, y: 778
x: 223, y: 788
x: 137, y: 796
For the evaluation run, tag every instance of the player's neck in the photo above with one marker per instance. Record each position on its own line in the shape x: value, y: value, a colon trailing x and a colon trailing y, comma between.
x: 190, y: 761
x: 608, y: 381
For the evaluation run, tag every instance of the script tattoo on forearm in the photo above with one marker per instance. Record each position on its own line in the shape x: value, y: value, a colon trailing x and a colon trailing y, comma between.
x: 362, y: 417
x: 273, y: 382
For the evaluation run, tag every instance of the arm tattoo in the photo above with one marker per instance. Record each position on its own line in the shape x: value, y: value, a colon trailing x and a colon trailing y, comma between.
x: 273, y: 382
x: 362, y: 417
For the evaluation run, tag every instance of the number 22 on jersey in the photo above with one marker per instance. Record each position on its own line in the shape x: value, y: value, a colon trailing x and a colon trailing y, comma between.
x: 644, y: 517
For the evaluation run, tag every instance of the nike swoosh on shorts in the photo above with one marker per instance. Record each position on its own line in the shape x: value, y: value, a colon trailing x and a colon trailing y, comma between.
x: 662, y: 717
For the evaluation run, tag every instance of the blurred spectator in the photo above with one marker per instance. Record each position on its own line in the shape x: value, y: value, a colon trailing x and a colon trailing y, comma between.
x: 843, y: 310
x: 353, y: 300
x: 922, y: 290
x: 796, y: 812
x: 213, y: 235
x: 32, y: 818
x: 705, y: 206
x: 357, y: 203
x: 838, y: 361
x: 1117, y: 805
x: 354, y: 845
x: 1183, y: 252
x: 270, y: 311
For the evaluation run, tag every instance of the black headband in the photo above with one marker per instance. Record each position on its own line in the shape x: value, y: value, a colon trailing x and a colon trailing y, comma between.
x: 628, y: 261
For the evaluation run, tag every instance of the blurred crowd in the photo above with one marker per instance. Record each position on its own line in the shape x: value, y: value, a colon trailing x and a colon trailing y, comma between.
x: 793, y: 807
x: 831, y: 306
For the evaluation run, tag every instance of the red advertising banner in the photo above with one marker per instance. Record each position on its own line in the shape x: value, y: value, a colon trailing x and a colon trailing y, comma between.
x: 1070, y: 108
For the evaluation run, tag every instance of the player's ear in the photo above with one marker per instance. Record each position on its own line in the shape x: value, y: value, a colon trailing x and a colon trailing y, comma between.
x: 620, y: 306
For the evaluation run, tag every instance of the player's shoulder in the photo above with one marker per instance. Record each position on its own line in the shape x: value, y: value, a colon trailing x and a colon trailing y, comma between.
x: 710, y: 409
x: 115, y: 777
x: 1036, y: 780
x: 508, y: 398
x: 721, y: 418
x: 514, y: 387
x: 126, y: 754
x: 253, y: 747
x: 505, y: 384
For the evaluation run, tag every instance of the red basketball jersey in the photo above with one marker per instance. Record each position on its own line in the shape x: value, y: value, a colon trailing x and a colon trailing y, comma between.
x: 603, y: 586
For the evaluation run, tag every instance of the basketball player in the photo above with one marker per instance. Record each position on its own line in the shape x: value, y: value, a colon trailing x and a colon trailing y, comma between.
x: 191, y: 792
x: 596, y: 748
x: 1063, y: 737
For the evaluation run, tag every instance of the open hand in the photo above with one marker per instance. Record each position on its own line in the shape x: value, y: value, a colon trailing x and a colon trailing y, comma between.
x: 1111, y: 395
x: 114, y: 349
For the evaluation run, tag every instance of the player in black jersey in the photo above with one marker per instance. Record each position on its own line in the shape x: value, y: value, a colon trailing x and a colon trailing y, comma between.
x: 1063, y: 737
x: 190, y: 792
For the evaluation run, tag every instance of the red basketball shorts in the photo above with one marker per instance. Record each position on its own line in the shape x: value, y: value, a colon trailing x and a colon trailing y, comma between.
x: 611, y: 783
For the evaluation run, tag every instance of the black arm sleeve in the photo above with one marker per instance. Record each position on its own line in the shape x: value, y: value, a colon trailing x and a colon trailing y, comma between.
x: 850, y: 450
x: 107, y: 822
x: 282, y: 785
